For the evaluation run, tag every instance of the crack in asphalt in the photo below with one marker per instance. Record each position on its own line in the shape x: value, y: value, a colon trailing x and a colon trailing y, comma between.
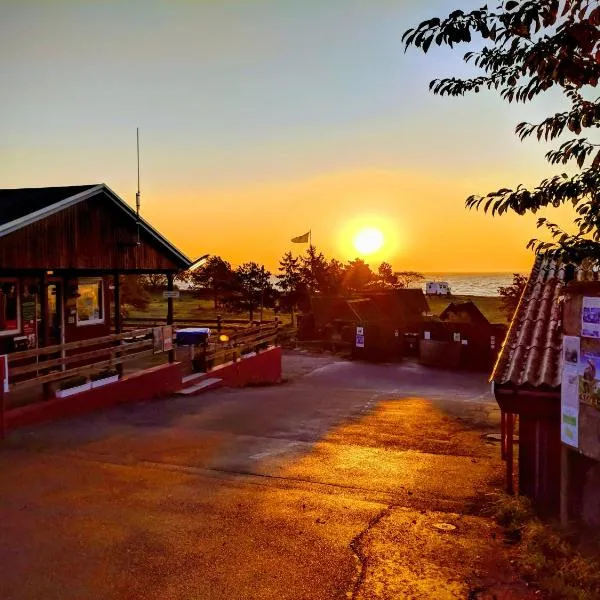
x: 355, y: 546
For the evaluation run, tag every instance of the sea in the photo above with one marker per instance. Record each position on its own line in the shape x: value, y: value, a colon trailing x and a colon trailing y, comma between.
x: 471, y: 284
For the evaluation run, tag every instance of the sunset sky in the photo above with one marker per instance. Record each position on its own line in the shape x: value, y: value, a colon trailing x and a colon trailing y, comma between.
x: 262, y: 119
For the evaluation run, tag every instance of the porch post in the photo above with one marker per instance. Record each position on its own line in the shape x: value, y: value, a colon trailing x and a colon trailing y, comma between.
x: 118, y: 320
x: 564, y: 485
x: 45, y: 333
x: 503, y: 435
x: 170, y: 311
x: 510, y: 421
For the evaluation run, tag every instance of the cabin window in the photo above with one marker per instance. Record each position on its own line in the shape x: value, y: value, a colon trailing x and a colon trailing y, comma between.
x: 9, y: 307
x: 90, y: 307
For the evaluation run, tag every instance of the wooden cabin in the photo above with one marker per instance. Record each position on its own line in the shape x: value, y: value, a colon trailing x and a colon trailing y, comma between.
x: 62, y: 250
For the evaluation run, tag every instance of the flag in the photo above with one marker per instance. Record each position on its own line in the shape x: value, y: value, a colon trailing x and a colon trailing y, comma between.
x: 302, y: 239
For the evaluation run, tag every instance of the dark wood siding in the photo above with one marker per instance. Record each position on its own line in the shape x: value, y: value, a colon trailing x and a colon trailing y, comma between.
x: 92, y: 235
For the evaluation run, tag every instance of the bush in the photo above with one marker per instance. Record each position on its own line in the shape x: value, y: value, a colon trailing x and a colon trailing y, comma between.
x: 545, y: 555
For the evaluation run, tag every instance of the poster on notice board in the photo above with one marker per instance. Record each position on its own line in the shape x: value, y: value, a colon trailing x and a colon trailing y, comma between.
x: 569, y: 396
x: 590, y: 317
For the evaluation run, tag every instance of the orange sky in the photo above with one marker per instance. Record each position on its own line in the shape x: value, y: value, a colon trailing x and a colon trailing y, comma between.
x: 423, y: 220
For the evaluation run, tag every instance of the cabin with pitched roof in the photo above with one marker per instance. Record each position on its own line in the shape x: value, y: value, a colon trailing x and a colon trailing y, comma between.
x: 560, y: 478
x: 526, y: 381
x: 62, y: 250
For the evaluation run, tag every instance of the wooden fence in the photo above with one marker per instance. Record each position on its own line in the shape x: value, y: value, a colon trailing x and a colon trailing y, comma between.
x: 218, y: 324
x: 62, y: 361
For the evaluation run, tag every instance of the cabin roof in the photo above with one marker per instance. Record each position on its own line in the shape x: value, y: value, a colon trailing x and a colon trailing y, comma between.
x: 469, y: 308
x: 405, y: 307
x: 531, y: 353
x: 18, y: 203
x: 21, y: 207
x: 366, y: 310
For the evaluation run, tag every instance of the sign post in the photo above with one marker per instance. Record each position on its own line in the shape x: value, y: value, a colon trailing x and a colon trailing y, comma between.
x: 171, y: 294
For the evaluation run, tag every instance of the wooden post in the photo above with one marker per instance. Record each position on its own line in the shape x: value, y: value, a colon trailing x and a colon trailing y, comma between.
x: 564, y: 486
x: 45, y: 341
x: 503, y: 435
x: 2, y: 405
x: 510, y: 487
x: 170, y: 311
x: 44, y: 309
x: 219, y: 326
x: 118, y: 319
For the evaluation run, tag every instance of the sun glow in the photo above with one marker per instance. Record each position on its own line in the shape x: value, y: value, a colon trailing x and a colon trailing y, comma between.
x: 369, y: 240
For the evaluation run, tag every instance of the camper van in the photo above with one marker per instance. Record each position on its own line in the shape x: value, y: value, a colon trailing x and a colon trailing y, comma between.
x: 437, y: 288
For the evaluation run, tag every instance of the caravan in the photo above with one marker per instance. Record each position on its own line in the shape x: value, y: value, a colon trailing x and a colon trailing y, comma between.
x: 437, y: 288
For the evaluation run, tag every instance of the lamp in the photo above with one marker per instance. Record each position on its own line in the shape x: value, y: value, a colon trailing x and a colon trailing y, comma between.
x: 198, y: 262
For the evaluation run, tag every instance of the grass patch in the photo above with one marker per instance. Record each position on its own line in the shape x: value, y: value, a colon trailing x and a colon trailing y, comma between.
x: 188, y: 307
x: 556, y: 561
x: 490, y: 306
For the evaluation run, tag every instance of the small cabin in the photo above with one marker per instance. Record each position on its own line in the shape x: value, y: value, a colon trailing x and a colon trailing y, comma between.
x: 437, y: 288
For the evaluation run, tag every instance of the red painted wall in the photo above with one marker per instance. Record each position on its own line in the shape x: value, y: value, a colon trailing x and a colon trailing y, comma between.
x: 161, y: 381
x: 156, y: 382
x: 264, y: 368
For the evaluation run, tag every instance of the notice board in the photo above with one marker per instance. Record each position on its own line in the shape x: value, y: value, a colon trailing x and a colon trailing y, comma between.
x: 580, y: 383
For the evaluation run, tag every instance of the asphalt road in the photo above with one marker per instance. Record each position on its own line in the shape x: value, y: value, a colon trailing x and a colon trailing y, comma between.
x: 331, y: 485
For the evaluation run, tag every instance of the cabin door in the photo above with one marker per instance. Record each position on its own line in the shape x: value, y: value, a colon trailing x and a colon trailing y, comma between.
x: 55, y: 313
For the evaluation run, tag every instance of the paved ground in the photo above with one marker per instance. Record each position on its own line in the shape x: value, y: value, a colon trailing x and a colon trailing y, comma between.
x: 340, y: 483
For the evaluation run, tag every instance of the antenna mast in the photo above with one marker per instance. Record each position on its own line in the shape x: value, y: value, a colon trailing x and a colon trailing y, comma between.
x: 137, y: 195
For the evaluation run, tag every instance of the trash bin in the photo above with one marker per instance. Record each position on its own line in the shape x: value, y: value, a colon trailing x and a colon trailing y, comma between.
x: 196, y: 338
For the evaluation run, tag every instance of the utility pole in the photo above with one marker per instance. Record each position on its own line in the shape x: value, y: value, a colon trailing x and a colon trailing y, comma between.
x: 262, y: 291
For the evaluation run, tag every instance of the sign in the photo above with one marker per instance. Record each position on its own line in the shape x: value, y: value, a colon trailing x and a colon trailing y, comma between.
x: 590, y: 317
x: 360, y: 331
x: 396, y: 333
x: 360, y: 341
x: 457, y: 337
x: 570, y: 391
x: 167, y: 334
x: 427, y: 335
x: 569, y: 406
x: 28, y: 310
x: 171, y: 294
x: 157, y: 334
x: 464, y: 342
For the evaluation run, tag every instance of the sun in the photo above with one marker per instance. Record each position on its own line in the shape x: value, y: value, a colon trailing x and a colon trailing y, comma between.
x: 369, y: 240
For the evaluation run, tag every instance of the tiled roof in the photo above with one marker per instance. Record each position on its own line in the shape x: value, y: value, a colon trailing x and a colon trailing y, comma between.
x: 531, y: 353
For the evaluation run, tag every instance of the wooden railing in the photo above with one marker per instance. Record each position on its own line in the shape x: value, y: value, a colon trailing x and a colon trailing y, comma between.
x: 53, y: 363
x: 63, y: 361
x: 252, y: 339
x: 179, y: 323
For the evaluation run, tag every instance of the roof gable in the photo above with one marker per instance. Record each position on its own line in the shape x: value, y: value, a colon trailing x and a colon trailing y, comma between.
x: 26, y: 206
